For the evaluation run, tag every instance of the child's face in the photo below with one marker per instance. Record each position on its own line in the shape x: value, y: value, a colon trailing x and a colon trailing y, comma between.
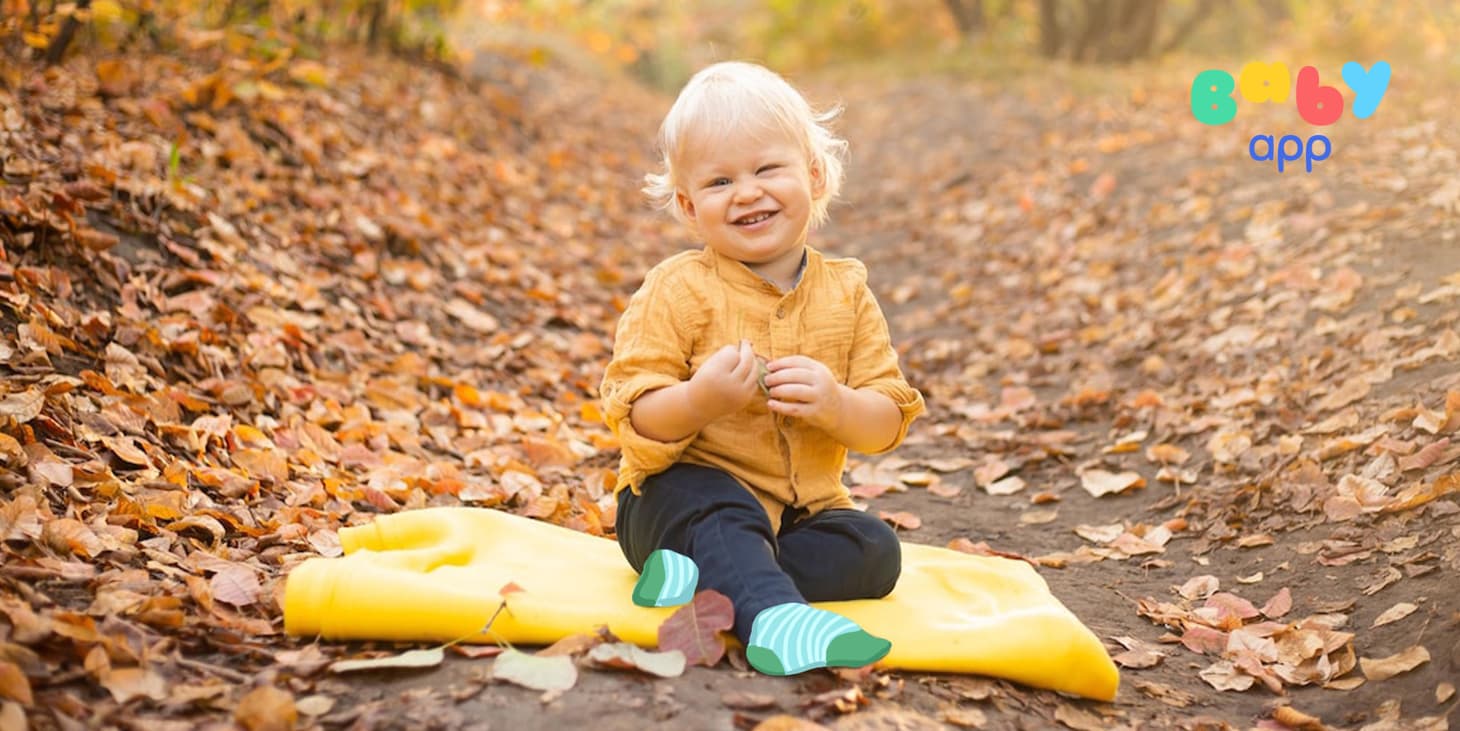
x: 749, y: 195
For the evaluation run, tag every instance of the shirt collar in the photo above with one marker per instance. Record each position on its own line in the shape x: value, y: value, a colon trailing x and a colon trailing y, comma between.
x: 735, y: 271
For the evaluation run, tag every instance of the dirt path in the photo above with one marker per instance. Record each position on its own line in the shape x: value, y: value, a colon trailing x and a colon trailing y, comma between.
x: 1093, y: 251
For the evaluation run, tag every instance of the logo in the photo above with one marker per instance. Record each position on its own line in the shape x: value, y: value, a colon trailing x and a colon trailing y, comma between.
x: 1213, y: 103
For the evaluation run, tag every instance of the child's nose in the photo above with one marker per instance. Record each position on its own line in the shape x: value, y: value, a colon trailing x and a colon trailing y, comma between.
x: 747, y: 191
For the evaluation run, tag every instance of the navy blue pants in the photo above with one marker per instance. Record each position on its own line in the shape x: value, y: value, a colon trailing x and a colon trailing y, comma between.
x: 705, y: 514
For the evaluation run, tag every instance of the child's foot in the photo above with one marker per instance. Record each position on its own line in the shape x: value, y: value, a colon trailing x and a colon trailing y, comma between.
x: 668, y: 580
x: 792, y: 638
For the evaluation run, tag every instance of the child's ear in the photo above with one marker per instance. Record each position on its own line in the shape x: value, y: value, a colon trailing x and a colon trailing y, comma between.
x: 685, y: 204
x: 818, y: 180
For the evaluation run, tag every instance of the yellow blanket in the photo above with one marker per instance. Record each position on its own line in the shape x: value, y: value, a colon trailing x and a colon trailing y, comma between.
x: 434, y: 575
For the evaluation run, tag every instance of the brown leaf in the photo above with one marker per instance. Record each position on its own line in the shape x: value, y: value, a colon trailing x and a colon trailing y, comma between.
x: 267, y: 708
x: 236, y: 585
x: 695, y: 628
x: 13, y: 683
x: 424, y: 658
x: 128, y: 683
x: 1387, y: 667
x: 1424, y: 457
x: 535, y: 671
x: 901, y: 519
x: 1297, y: 720
x: 1279, y: 604
x: 1100, y: 482
x: 1394, y: 614
x: 625, y: 656
x: 262, y: 464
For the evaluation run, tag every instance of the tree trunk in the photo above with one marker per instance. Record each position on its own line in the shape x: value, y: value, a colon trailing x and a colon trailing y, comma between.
x: 1198, y: 14
x: 57, y: 49
x: 1050, y: 39
x: 1096, y: 19
x: 374, y: 27
x: 967, y: 16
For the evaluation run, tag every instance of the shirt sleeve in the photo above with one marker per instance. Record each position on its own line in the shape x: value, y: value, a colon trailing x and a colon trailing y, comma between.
x: 873, y: 362
x: 651, y: 350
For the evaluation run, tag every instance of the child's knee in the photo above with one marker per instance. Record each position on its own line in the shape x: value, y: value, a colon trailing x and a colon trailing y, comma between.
x: 884, y: 559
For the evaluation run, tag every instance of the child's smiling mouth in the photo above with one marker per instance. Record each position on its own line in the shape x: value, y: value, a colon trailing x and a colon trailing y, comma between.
x: 755, y: 219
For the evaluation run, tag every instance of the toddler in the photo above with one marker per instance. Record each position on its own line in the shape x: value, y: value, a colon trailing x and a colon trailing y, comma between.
x: 730, y: 477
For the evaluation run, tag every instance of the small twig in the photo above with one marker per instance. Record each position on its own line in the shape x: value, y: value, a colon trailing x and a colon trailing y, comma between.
x: 233, y: 675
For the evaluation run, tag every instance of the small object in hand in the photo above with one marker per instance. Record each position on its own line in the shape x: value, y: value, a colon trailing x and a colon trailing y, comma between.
x: 762, y: 370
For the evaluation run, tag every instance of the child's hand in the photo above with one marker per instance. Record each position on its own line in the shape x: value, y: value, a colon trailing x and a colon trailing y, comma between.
x: 727, y: 380
x: 803, y: 387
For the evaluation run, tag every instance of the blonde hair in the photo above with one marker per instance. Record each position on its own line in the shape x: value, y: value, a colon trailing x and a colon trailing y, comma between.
x: 732, y: 94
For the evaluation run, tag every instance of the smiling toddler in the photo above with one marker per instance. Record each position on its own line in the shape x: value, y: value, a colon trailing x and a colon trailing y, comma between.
x: 743, y: 372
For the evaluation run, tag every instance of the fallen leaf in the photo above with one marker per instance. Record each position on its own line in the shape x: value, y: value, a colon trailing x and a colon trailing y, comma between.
x: 964, y: 717
x: 1099, y: 533
x: 1279, y: 604
x: 236, y: 585
x: 901, y: 519
x: 1138, y: 654
x: 267, y: 708
x: 424, y: 658
x: 695, y: 628
x: 535, y: 672
x: 1444, y: 691
x: 1296, y: 720
x: 626, y: 656
x: 315, y: 705
x: 14, y: 685
x: 140, y: 682
x: 1199, y: 587
x: 1038, y: 517
x: 1388, y: 667
x: 1100, y: 482
x: 1165, y: 694
x: 1394, y: 614
x: 1006, y: 486
x: 1079, y: 719
x: 1224, y: 676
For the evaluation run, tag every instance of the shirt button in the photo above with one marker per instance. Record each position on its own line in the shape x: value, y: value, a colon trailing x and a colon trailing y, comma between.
x: 780, y: 313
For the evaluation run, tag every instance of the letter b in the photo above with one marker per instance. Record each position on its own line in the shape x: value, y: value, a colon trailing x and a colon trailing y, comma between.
x: 1319, y: 105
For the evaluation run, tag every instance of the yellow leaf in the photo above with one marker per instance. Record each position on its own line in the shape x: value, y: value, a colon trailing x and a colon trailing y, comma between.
x: 36, y: 40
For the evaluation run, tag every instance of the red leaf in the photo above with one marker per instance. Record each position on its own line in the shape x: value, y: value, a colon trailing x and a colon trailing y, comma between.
x: 510, y: 587
x: 695, y: 628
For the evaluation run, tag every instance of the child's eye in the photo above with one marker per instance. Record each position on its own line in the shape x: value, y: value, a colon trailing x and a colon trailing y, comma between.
x: 717, y: 181
x: 764, y: 168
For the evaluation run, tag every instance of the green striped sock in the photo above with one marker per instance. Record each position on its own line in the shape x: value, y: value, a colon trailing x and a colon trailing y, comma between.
x: 792, y: 638
x: 668, y: 580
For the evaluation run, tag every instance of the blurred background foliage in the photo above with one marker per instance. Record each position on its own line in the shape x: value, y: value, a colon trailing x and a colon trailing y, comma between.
x: 662, y: 43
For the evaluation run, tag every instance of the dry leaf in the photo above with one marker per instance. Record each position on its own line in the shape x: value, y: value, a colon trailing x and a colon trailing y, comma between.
x: 236, y: 585
x: 1006, y: 486
x: 267, y: 708
x: 425, y: 658
x: 695, y: 628
x: 622, y: 655
x: 1101, y: 482
x: 901, y: 519
x: 534, y: 671
x: 14, y: 685
x: 1388, y: 667
x: 1279, y: 604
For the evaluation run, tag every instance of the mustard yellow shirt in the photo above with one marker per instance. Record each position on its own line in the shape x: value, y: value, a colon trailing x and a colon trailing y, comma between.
x: 696, y: 302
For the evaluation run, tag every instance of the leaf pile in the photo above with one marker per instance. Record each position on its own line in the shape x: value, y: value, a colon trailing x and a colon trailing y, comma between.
x: 249, y: 299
